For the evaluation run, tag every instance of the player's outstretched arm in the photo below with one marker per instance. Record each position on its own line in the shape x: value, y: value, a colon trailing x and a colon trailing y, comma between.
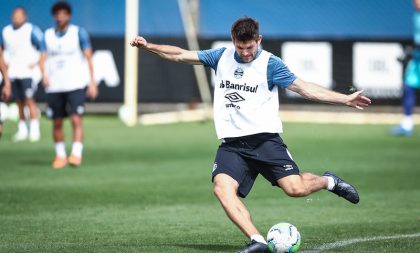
x: 167, y: 52
x: 316, y: 92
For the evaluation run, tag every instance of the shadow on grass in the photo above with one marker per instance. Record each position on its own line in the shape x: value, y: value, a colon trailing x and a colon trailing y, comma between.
x: 34, y: 162
x: 211, y: 247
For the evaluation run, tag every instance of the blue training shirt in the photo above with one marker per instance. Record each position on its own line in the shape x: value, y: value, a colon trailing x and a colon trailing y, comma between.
x: 277, y: 72
x: 37, y: 39
x: 416, y: 22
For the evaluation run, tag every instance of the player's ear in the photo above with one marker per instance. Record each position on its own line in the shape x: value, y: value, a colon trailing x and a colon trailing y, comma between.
x: 233, y: 40
x: 259, y: 39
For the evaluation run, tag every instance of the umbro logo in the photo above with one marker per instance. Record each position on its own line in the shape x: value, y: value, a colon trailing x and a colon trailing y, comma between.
x: 234, y: 97
x: 288, y: 167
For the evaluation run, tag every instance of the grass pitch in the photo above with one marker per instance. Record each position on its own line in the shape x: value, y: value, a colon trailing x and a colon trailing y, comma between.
x: 148, y: 189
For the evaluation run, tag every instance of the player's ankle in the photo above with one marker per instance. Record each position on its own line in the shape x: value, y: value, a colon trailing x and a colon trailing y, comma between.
x: 77, y: 149
x: 258, y: 238
x: 330, y: 183
x: 60, y: 149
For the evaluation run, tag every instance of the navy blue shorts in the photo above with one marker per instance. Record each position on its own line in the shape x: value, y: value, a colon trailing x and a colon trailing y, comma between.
x: 23, y: 88
x: 62, y: 104
x: 243, y: 158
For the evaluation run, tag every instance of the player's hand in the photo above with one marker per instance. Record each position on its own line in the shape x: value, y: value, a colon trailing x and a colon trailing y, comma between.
x: 45, y: 81
x: 92, y: 91
x: 358, y: 101
x: 6, y: 92
x: 139, y: 42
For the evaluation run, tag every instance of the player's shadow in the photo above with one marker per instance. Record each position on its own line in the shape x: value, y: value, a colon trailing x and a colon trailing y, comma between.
x: 31, y: 162
x: 210, y: 247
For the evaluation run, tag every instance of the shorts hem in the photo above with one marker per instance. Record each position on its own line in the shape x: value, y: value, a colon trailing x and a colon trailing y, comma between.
x: 239, y: 193
x: 283, y: 176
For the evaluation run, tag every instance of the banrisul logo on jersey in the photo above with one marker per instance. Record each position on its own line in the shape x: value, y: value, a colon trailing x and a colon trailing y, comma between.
x: 238, y: 73
x: 226, y: 84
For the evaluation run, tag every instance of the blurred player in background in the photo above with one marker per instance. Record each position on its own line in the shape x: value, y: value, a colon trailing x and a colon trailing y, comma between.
x: 65, y: 77
x: 411, y: 80
x: 246, y: 119
x: 22, y: 42
x: 5, y: 90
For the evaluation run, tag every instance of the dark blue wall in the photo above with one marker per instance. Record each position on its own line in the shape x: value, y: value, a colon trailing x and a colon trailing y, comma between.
x: 312, y: 18
x: 103, y: 18
x: 279, y: 18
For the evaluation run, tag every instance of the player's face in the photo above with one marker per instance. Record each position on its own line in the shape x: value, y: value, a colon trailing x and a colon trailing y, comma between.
x: 417, y: 4
x: 62, y: 18
x: 247, y: 50
x: 18, y: 17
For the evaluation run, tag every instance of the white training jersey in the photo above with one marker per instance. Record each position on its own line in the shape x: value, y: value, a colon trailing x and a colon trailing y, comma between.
x: 65, y: 66
x: 20, y: 54
x: 243, y: 103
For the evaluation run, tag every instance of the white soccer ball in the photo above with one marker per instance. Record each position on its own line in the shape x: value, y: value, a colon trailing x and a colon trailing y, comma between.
x: 283, y: 238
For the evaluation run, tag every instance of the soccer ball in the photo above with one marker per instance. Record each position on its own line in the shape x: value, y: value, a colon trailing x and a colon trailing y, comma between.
x: 283, y: 238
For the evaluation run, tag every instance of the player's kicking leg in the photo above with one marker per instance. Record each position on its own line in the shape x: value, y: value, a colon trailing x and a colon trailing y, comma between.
x: 307, y: 183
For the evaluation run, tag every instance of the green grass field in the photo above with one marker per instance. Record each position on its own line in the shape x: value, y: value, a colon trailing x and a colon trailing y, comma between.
x: 148, y: 189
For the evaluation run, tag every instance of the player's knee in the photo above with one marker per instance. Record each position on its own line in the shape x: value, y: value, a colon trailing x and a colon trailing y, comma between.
x: 225, y: 187
x: 58, y: 124
x: 296, y: 191
x: 223, y: 192
x: 76, y: 120
x: 219, y: 192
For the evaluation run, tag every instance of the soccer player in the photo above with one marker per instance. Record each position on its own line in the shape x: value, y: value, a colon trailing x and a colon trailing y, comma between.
x: 65, y: 78
x: 5, y: 92
x: 246, y: 119
x: 22, y: 42
x: 411, y: 80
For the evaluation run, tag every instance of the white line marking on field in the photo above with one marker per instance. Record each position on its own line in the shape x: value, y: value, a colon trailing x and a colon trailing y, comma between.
x: 343, y: 243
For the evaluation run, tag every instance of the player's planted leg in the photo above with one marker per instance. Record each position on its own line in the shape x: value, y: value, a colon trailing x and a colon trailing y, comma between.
x: 343, y: 189
x: 225, y: 189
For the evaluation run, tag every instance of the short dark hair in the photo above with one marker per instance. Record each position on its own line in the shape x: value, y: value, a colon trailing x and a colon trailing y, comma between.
x: 21, y: 8
x: 60, y: 5
x: 245, y: 29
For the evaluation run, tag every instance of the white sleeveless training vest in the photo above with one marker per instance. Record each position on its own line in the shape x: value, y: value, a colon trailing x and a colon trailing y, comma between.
x: 20, y: 55
x: 243, y: 104
x: 66, y: 66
